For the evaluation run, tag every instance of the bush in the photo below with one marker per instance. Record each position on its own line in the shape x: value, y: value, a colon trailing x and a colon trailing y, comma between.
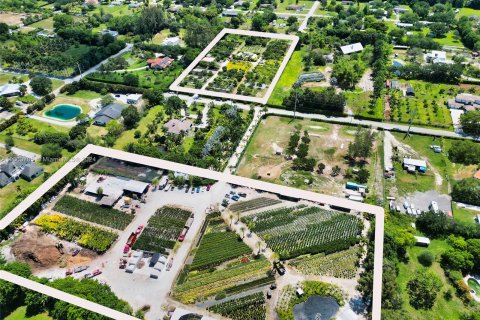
x: 465, y: 152
x: 467, y: 191
x: 41, y: 85
x: 426, y: 258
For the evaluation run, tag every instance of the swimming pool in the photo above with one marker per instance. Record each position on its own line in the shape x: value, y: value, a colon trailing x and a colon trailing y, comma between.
x: 63, y: 112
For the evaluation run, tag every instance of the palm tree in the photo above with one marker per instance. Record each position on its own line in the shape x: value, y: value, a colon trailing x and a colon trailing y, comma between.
x: 231, y: 219
x: 238, y: 217
x: 259, y: 243
x: 155, y: 182
x: 242, y: 228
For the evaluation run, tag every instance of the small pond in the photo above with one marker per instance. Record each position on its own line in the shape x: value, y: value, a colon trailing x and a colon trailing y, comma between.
x: 316, y: 308
x: 63, y: 112
x: 475, y: 285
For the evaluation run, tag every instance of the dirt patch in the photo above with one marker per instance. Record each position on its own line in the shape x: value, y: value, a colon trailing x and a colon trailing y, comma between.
x: 39, y: 251
x: 463, y: 172
x: 270, y: 172
x: 387, y: 111
x: 12, y: 19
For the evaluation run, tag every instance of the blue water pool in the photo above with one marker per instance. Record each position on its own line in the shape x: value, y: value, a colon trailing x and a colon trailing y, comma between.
x: 316, y: 308
x: 63, y: 112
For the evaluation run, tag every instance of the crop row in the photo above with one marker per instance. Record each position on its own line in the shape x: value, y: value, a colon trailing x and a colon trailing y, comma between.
x: 253, y: 204
x: 163, y: 229
x: 201, y: 286
x: 84, y: 234
x: 217, y: 247
x: 250, y: 307
x: 341, y: 264
x: 92, y: 212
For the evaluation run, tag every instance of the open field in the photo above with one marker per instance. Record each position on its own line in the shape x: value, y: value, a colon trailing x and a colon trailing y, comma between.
x: 12, y: 19
x: 282, y: 6
x: 329, y: 145
x: 21, y: 314
x: 464, y: 215
x: 44, y: 24
x: 6, y: 78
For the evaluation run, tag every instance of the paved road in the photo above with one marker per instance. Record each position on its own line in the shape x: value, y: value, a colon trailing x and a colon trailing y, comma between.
x: 21, y: 152
x: 345, y: 120
x: 304, y: 24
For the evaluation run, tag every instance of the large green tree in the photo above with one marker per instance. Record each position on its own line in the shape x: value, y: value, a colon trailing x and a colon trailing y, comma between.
x: 423, y: 288
x: 41, y: 85
x: 471, y: 122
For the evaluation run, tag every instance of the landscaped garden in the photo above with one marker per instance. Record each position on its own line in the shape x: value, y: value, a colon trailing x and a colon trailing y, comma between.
x: 92, y: 212
x: 162, y: 230
x: 253, y: 204
x: 84, y: 234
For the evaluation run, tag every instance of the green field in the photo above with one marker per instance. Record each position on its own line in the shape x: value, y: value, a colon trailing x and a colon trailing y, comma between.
x: 21, y: 314
x: 44, y: 24
x: 464, y: 215
x: 291, y: 73
x: 282, y: 5
x: 468, y: 12
x: 447, y: 309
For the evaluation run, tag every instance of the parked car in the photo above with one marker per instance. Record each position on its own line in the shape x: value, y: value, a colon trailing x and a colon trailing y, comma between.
x: 187, y: 189
x: 279, y: 266
x: 193, y: 190
x: 225, y: 203
x: 235, y: 198
x: 227, y: 196
x: 139, y: 229
x: 126, y: 248
x: 273, y: 286
x: 75, y: 252
x: 80, y: 269
x: 242, y: 194
x: 69, y: 272
x: 208, y: 187
x: 198, y: 189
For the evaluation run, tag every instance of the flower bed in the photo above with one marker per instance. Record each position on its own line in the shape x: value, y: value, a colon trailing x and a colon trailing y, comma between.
x: 92, y: 212
x: 250, y: 307
x: 84, y: 234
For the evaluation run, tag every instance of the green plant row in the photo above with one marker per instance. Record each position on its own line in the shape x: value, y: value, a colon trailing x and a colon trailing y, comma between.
x: 92, y: 212
x: 250, y: 307
x: 253, y: 204
x: 217, y: 247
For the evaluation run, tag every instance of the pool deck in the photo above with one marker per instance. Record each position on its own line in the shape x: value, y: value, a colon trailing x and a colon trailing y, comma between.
x: 67, y: 124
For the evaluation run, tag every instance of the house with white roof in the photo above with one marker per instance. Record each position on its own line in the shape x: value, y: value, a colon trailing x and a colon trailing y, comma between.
x: 172, y: 41
x: 352, y: 48
x: 10, y: 90
x: 413, y: 165
x: 436, y: 56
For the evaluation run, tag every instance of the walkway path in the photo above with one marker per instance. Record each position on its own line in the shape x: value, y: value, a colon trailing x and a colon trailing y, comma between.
x: 304, y: 24
x: 21, y: 152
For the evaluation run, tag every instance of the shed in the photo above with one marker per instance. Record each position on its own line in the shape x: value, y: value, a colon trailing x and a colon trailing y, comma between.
x: 299, y: 292
x: 134, y: 186
x: 422, y: 241
x: 31, y: 171
x: 10, y: 90
x: 413, y: 165
x: 410, y: 92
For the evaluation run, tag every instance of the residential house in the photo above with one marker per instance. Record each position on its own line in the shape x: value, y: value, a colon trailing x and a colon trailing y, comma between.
x: 172, y: 41
x: 404, y: 25
x: 31, y: 171
x: 296, y: 7
x: 436, y: 56
x: 159, y: 63
x: 177, y: 126
x: 111, y: 112
x: 422, y: 241
x: 413, y: 165
x: 229, y: 13
x: 10, y: 90
x: 400, y: 10
x: 352, y: 48
x: 11, y: 169
x: 395, y: 84
x: 4, y: 180
x: 110, y: 32
x: 133, y: 98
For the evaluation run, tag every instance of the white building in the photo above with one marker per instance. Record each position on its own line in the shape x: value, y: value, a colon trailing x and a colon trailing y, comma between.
x: 352, y: 48
x: 436, y: 57
x: 173, y: 41
x: 10, y: 90
x: 110, y: 32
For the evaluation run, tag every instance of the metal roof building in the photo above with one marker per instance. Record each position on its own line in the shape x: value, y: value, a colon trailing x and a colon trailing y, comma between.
x: 352, y: 48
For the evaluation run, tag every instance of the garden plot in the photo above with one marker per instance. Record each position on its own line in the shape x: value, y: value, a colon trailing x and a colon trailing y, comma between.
x: 291, y: 232
x: 238, y: 64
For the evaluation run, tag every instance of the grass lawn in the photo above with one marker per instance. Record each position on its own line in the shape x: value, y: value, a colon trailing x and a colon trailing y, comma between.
x: 6, y: 78
x: 464, y: 215
x: 128, y: 136
x: 113, y: 10
x: 133, y: 61
x: 359, y: 102
x: 429, y: 103
x: 291, y: 73
x: 21, y: 314
x: 443, y: 309
x: 450, y: 39
x: 281, y: 6
x: 82, y: 94
x: 468, y: 12
x: 44, y: 24
x: 56, y: 83
x: 160, y: 37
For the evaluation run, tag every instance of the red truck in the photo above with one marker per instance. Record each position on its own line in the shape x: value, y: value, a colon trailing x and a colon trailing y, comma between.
x: 188, y: 224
